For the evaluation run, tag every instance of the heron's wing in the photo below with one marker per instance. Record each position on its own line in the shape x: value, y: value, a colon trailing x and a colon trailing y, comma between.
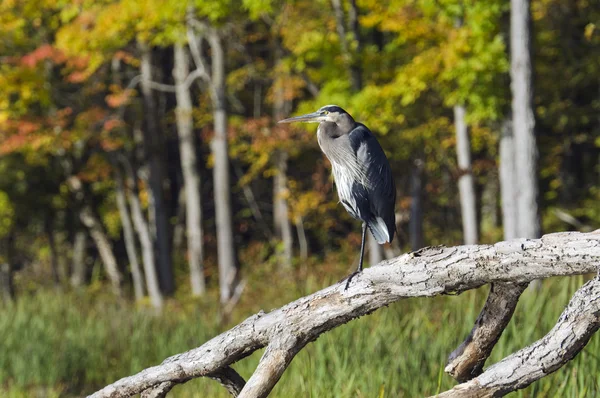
x: 381, y: 187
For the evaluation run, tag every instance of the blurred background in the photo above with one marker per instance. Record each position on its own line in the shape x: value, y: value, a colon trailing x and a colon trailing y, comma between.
x: 149, y: 200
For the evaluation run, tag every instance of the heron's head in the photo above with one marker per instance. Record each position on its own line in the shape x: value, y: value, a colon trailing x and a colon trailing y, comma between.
x: 327, y: 113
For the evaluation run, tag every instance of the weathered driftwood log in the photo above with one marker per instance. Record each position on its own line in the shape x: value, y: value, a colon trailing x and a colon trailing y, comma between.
x: 428, y: 272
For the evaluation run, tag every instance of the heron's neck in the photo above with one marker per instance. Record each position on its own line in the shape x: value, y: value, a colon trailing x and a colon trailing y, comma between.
x: 346, y: 123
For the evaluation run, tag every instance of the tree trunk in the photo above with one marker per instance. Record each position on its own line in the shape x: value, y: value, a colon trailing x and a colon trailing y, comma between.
x: 228, y: 271
x: 281, y: 217
x: 102, y: 242
x: 302, y: 241
x: 353, y: 68
x: 189, y: 167
x: 375, y: 250
x: 78, y: 268
x: 146, y: 243
x: 528, y: 222
x: 508, y: 181
x: 128, y: 236
x: 153, y: 146
x: 466, y: 183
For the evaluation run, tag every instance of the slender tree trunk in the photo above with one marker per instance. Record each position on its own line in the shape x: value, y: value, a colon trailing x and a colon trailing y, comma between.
x: 228, y: 271
x: 466, y: 183
x: 145, y: 237
x: 128, y: 236
x: 354, y: 69
x: 78, y: 267
x: 416, y: 206
x: 508, y: 182
x: 281, y: 217
x: 153, y: 146
x: 528, y: 222
x: 375, y: 252
x: 189, y: 167
x: 102, y: 242
x: 302, y: 241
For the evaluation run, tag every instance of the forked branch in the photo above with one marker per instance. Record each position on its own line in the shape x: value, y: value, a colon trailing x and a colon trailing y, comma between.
x: 428, y: 272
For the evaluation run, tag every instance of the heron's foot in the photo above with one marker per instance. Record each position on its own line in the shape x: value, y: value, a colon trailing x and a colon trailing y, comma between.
x: 349, y: 279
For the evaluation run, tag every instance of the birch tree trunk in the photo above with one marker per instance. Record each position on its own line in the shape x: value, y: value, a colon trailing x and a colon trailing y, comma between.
x: 78, y: 267
x: 281, y: 217
x: 375, y: 252
x: 466, y: 183
x: 103, y: 244
x: 225, y: 246
x: 528, y: 222
x: 354, y: 69
x: 508, y: 181
x: 145, y: 237
x: 189, y: 168
x: 152, y: 147
x: 129, y: 236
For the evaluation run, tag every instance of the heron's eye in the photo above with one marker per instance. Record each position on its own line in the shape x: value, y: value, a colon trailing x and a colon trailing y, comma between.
x: 326, y: 112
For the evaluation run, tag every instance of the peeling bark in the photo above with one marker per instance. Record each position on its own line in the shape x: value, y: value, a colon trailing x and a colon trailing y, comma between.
x: 428, y: 272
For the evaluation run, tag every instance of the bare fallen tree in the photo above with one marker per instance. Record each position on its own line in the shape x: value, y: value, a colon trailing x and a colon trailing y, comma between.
x: 428, y: 272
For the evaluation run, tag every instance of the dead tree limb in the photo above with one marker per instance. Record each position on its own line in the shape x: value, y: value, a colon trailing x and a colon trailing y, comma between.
x: 576, y: 325
x: 427, y: 272
x: 468, y: 359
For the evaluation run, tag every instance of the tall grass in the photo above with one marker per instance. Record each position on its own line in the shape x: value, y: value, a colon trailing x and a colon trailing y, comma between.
x: 71, y: 344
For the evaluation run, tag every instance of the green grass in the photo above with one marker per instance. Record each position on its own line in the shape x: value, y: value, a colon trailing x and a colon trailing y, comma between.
x: 54, y: 345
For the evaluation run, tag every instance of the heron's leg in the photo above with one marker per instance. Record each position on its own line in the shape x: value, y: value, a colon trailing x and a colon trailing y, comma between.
x: 362, y: 255
x: 362, y: 247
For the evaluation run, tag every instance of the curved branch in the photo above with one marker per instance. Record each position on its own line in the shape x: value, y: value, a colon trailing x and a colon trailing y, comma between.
x: 468, y: 359
x: 576, y: 325
x: 428, y: 272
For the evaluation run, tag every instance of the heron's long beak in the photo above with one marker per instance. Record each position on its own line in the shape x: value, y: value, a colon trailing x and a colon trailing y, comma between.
x: 309, y: 117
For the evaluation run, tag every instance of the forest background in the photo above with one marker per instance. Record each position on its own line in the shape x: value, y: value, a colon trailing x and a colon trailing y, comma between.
x: 149, y: 200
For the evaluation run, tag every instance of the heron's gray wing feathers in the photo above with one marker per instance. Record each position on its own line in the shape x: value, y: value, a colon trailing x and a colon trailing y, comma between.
x: 381, y: 189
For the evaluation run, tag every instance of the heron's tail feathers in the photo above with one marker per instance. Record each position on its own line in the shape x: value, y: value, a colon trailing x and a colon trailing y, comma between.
x: 379, y: 230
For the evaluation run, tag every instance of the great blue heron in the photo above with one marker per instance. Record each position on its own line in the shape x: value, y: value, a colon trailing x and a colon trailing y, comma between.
x: 361, y: 172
